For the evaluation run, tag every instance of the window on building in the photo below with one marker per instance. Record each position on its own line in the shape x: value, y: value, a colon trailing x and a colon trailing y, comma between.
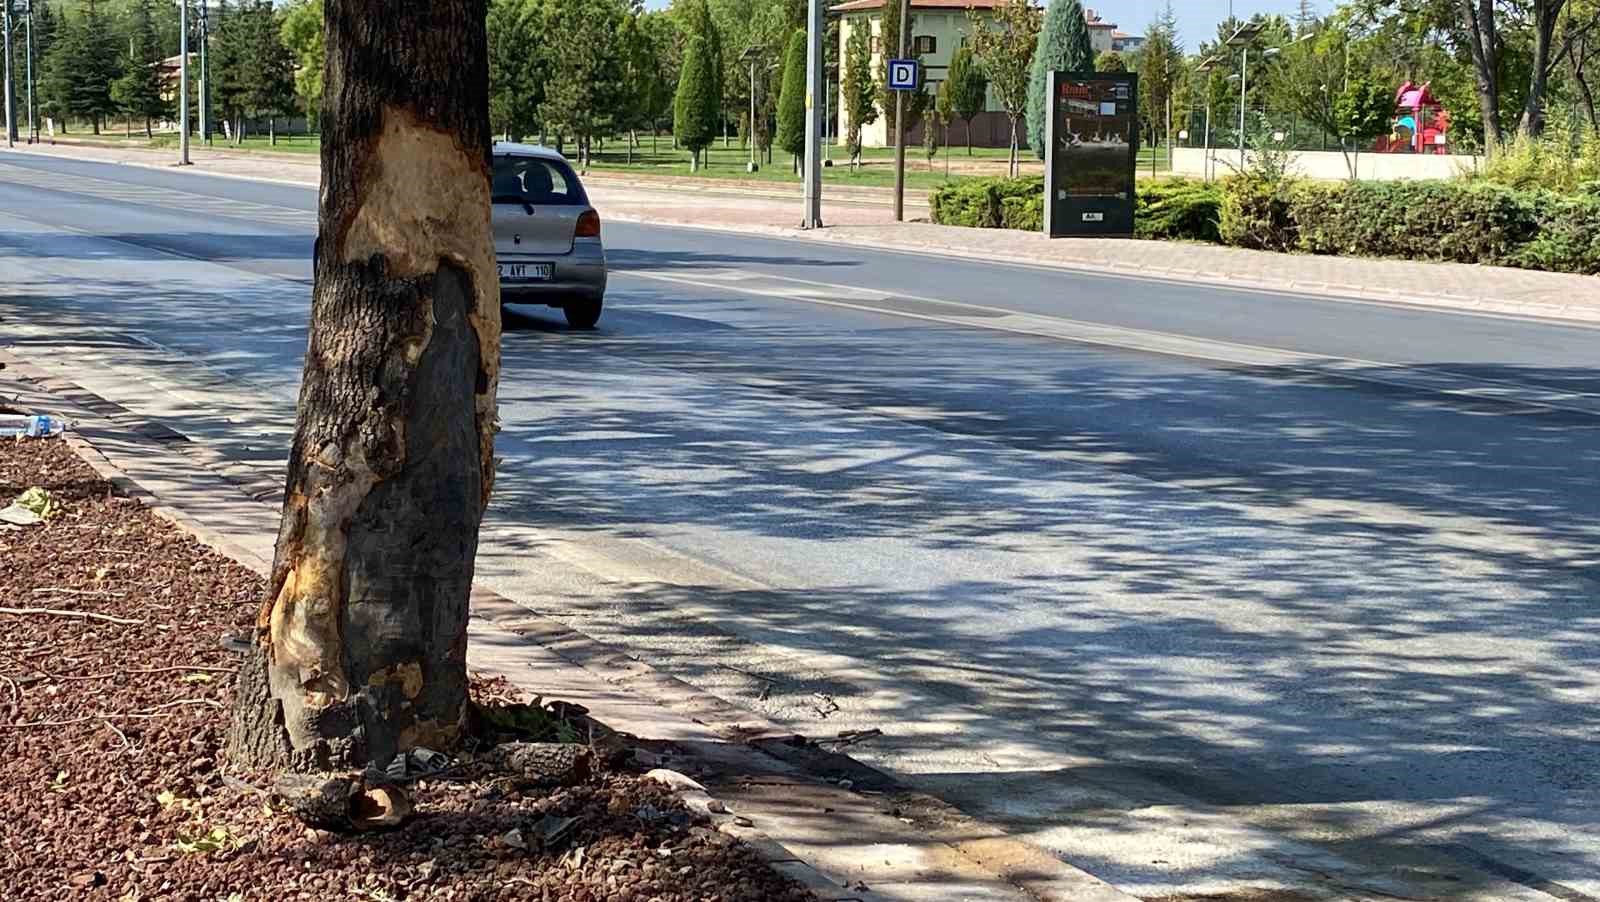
x: 927, y: 43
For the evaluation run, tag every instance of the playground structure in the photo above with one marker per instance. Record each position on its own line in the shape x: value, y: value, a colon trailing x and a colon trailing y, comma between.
x: 1421, y: 125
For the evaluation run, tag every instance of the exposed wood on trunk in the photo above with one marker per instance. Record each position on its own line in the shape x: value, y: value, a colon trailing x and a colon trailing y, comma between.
x: 361, y: 646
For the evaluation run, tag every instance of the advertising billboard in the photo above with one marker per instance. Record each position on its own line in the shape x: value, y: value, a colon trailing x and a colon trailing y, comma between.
x: 1092, y: 136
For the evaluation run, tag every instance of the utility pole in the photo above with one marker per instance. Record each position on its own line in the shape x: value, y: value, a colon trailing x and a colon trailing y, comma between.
x: 815, y: 88
x: 11, y: 93
x: 183, y: 82
x: 33, y: 124
x: 752, y: 55
x: 900, y: 119
x: 205, y: 75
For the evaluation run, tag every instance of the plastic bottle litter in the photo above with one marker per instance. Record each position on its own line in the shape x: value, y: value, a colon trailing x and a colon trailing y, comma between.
x: 35, y: 426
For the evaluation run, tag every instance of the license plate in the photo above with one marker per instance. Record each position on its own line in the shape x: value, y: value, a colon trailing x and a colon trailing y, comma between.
x: 526, y: 272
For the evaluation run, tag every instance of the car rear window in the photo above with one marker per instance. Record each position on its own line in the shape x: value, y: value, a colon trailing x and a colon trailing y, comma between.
x: 535, y: 181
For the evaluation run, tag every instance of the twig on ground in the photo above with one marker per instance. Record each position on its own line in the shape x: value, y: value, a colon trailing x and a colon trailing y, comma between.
x: 89, y: 593
x: 126, y: 745
x: 53, y: 612
x: 137, y: 715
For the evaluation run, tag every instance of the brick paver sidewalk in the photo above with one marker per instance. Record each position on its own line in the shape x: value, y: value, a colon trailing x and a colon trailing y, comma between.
x: 860, y: 217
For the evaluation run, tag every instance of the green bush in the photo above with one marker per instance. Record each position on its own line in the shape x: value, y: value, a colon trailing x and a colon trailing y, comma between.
x: 1177, y: 209
x: 1254, y: 212
x: 1424, y: 220
x: 1025, y: 213
x: 1568, y: 238
x: 980, y: 203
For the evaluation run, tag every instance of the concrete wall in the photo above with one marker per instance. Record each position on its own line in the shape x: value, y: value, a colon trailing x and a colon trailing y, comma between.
x: 1331, y: 165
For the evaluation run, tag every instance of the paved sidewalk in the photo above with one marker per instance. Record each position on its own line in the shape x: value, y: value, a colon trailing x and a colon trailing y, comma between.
x: 870, y: 841
x: 857, y: 217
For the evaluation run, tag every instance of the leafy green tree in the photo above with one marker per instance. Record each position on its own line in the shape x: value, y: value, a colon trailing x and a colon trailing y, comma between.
x: 1110, y: 61
x: 695, y: 106
x: 660, y: 30
x: 303, y: 34
x: 933, y: 122
x: 584, y: 74
x: 1362, y: 113
x: 1003, y: 45
x: 859, y: 89
x: 138, y: 90
x: 792, y: 100
x: 1063, y: 46
x: 966, y: 89
x: 516, y: 77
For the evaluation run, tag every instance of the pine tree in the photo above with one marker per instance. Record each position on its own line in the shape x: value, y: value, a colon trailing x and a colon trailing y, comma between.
x: 1160, y: 62
x: 1064, y: 46
x: 138, y: 91
x: 82, y: 64
x: 269, y: 66
x: 792, y: 100
x: 695, y: 106
x: 859, y: 88
x: 968, y: 90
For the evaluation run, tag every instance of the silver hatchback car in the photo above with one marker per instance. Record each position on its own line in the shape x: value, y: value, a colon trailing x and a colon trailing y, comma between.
x: 546, y: 235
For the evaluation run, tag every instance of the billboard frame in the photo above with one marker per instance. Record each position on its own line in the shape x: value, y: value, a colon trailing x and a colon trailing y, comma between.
x: 1076, y: 215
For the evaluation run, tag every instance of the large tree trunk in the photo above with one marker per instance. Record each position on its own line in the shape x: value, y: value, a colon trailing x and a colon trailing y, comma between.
x: 1545, y: 15
x: 360, y: 648
x: 1484, y: 43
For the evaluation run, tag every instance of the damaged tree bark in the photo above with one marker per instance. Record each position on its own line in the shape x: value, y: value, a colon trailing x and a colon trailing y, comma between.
x: 360, y: 648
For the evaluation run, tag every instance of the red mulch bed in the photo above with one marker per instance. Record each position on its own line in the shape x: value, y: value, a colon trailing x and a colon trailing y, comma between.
x: 111, y: 782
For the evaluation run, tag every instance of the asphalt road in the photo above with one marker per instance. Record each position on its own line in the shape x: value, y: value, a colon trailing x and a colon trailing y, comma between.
x: 1294, y: 603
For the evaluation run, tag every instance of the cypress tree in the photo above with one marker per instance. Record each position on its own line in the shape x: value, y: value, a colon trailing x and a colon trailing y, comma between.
x: 1063, y: 46
x: 792, y: 100
x: 694, y: 114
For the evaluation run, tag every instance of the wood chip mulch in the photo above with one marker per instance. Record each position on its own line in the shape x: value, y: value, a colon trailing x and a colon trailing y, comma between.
x: 112, y: 785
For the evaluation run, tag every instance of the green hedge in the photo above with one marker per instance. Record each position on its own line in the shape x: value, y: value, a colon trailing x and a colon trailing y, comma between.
x: 1175, y: 209
x: 1462, y: 221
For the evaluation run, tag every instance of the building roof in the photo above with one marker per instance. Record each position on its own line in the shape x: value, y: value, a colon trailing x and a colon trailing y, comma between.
x: 854, y: 6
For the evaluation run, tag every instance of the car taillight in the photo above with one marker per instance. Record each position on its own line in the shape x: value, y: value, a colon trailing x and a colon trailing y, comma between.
x: 588, y: 225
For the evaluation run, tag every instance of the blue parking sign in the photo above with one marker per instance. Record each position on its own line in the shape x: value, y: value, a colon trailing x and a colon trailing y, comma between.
x: 903, y: 75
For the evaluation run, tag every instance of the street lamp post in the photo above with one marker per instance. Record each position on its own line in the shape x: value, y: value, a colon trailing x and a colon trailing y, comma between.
x: 183, y: 82
x: 204, y: 100
x: 751, y: 55
x: 1205, y: 67
x: 11, y: 92
x: 815, y: 63
x: 1243, y: 38
x: 27, y: 14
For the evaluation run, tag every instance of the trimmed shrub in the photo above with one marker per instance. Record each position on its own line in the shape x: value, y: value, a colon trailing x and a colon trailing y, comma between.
x: 1255, y: 212
x: 1177, y: 210
x: 1424, y: 220
x: 1568, y: 239
x: 1025, y: 213
x: 980, y: 203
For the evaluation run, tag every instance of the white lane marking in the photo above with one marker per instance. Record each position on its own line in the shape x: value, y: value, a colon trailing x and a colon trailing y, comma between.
x: 1148, y: 341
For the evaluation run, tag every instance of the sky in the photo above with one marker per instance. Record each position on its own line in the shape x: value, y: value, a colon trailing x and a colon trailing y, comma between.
x: 1197, y: 19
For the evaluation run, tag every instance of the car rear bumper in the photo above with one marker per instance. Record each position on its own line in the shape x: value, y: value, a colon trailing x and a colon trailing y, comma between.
x: 579, y: 274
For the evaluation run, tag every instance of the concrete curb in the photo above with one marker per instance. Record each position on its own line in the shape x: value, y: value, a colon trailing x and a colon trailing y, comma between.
x: 747, y: 747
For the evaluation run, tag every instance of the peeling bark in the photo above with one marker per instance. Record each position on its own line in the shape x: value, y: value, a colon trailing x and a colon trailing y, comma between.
x: 361, y: 644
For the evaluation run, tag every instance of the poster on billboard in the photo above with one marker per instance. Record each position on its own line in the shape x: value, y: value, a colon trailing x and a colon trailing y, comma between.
x: 1092, y: 147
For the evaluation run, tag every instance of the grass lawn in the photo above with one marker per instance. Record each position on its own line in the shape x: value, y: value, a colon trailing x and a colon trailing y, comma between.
x: 656, y: 158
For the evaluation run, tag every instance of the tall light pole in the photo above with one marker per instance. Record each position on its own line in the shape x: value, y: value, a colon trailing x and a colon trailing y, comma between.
x: 900, y: 117
x: 11, y: 92
x: 815, y: 62
x: 1243, y: 38
x: 751, y: 56
x: 204, y: 100
x: 183, y: 82
x: 1205, y: 67
x: 33, y: 124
